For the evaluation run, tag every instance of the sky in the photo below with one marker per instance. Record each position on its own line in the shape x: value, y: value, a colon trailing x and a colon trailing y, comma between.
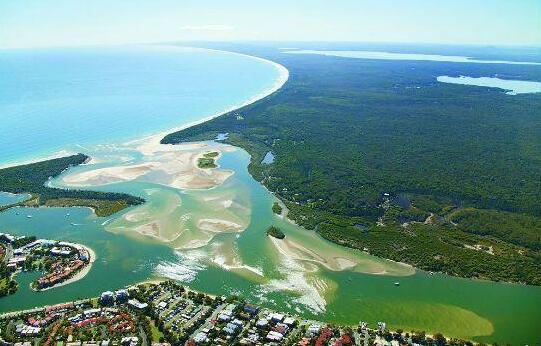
x: 50, y: 23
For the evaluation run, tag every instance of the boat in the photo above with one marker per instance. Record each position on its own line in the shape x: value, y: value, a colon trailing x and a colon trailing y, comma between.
x: 28, y: 216
x: 397, y: 283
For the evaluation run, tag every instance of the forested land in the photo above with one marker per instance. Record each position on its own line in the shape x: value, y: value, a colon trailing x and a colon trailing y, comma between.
x: 378, y: 155
x: 32, y: 179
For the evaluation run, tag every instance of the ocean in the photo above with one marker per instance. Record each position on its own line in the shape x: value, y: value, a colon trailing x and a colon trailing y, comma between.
x: 54, y: 101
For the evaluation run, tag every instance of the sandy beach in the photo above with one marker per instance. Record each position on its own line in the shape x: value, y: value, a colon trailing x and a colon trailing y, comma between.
x: 296, y: 251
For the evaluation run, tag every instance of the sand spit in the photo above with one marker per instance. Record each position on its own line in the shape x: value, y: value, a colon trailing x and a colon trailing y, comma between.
x: 339, y: 262
x: 110, y: 175
x: 296, y: 251
x: 219, y: 226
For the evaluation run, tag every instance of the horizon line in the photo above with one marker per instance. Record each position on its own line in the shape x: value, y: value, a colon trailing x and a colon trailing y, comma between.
x: 104, y: 44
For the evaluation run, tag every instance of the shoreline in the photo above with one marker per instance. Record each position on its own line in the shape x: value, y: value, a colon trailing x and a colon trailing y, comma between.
x: 278, y: 84
x: 283, y: 76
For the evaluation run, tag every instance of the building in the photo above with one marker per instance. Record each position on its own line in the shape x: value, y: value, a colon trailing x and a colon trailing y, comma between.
x: 61, y: 251
x: 200, y: 338
x: 289, y: 321
x: 121, y: 296
x: 107, y: 298
x: 134, y: 303
x: 129, y: 341
x: 251, y: 309
x: 231, y: 328
x: 17, y: 261
x: 276, y: 317
x: 274, y: 336
x: 313, y: 330
x: 262, y: 323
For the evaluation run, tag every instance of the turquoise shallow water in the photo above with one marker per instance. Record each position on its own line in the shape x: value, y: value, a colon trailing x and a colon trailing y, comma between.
x: 59, y: 99
x: 433, y: 303
x: 8, y: 198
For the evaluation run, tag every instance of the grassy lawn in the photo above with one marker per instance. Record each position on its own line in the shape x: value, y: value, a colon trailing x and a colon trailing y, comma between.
x: 156, y: 334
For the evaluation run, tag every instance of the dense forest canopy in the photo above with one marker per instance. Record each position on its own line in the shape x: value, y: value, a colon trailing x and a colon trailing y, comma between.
x: 31, y: 178
x: 383, y: 144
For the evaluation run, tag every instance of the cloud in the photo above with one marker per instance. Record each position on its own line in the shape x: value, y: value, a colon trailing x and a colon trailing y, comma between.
x: 208, y: 27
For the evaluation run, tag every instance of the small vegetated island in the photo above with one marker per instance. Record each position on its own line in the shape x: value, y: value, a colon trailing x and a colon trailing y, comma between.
x: 31, y: 179
x: 380, y: 143
x: 275, y: 232
x: 60, y: 262
x: 277, y: 208
x: 208, y: 160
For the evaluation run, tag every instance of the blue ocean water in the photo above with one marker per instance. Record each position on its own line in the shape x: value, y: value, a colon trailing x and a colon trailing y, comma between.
x: 60, y: 99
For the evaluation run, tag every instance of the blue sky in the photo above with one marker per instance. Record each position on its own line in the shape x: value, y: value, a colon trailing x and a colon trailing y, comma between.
x: 42, y: 23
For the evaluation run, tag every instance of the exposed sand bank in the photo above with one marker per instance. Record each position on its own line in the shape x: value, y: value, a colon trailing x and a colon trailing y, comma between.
x: 174, y: 166
x: 219, y: 226
x: 184, y: 221
x: 296, y: 251
x: 343, y: 261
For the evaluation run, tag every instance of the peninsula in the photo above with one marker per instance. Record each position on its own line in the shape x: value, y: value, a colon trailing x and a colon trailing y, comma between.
x: 61, y: 262
x: 32, y: 178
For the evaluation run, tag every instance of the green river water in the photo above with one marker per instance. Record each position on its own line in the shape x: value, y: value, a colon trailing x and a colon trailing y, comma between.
x: 250, y: 265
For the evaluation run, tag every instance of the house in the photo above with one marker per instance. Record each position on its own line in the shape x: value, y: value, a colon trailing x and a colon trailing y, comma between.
x: 289, y: 321
x: 251, y: 309
x: 274, y: 336
x: 91, y: 312
x: 237, y: 322
x: 134, y: 303
x: 230, y: 328
x: 224, y: 317
x: 129, y: 341
x: 61, y: 251
x: 17, y: 261
x: 281, y: 328
x: 262, y: 323
x: 276, y: 317
x: 304, y: 342
x: 313, y: 330
x: 200, y: 338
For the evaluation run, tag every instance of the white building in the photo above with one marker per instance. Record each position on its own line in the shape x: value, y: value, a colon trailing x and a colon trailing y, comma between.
x: 134, y: 303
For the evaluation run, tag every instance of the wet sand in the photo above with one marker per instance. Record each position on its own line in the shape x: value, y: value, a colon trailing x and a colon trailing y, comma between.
x: 169, y: 165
